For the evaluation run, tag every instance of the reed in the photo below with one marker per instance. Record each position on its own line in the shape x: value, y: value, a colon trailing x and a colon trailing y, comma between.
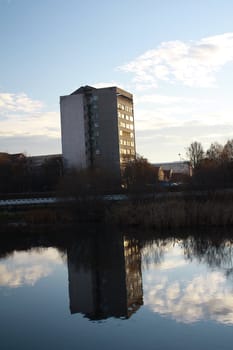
x: 162, y: 212
x: 173, y: 213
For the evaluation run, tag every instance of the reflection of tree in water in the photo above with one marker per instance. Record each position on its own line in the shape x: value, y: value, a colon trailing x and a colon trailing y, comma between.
x: 26, y: 242
x: 214, y: 251
x: 213, y: 248
x: 153, y: 250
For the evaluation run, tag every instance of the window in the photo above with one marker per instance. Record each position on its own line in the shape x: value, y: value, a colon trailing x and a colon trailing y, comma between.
x: 95, y: 115
x: 93, y: 98
x: 126, y: 133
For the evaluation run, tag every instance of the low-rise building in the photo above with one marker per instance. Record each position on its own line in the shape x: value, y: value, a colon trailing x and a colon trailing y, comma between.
x: 175, y: 171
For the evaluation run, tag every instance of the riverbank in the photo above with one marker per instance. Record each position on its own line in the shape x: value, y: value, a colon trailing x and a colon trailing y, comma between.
x: 173, y: 213
x: 159, y: 212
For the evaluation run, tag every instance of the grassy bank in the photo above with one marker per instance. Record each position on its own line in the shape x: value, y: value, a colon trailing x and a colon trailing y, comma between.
x: 161, y: 212
x: 174, y: 213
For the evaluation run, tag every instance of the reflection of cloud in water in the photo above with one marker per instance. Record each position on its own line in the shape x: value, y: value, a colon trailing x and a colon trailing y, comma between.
x: 171, y: 264
x: 26, y: 268
x: 204, y: 297
x: 22, y: 276
x: 153, y: 256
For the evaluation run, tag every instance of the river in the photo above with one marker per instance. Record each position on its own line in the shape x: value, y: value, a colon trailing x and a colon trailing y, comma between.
x: 101, y: 288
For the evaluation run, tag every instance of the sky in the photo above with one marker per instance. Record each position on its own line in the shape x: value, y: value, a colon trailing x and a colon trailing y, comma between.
x: 174, y: 56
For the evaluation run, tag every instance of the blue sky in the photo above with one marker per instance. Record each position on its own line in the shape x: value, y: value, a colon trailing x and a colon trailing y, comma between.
x: 175, y: 56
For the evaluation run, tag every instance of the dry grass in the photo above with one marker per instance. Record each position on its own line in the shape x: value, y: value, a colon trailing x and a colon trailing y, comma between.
x: 173, y: 213
x: 46, y: 216
x: 164, y: 212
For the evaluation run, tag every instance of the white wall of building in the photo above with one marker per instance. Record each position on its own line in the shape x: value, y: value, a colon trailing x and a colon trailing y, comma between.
x: 73, y: 131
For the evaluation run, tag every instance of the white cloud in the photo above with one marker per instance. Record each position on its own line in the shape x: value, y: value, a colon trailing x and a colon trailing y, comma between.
x: 107, y: 84
x: 165, y: 125
x: 166, y: 143
x: 30, y: 144
x: 26, y: 268
x: 192, y: 63
x: 158, y: 99
x: 18, y: 103
x: 21, y: 115
x: 43, y: 123
x: 167, y: 121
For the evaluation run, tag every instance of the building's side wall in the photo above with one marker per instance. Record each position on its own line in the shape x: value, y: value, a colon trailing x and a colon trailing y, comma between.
x: 73, y: 131
x: 108, y: 138
x: 126, y: 126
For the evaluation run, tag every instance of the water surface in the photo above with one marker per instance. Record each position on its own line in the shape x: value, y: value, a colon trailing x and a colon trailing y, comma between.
x: 115, y: 290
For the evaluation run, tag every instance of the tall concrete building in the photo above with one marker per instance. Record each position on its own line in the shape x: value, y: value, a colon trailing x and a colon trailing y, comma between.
x: 97, y: 128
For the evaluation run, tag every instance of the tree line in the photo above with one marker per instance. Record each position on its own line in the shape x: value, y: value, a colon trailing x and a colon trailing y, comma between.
x: 213, y: 168
x: 19, y: 175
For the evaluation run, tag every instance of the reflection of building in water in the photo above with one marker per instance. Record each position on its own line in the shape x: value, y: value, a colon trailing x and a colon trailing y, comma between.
x: 105, y: 278
x: 133, y: 275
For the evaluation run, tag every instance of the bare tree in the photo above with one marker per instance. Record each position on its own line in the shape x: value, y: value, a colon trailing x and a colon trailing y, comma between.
x: 195, y: 153
x: 215, y: 151
x: 139, y: 173
x: 228, y: 151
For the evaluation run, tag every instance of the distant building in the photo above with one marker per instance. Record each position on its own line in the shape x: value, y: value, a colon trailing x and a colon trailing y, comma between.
x: 159, y: 173
x: 38, y: 161
x: 12, y: 157
x: 97, y: 127
x: 175, y: 171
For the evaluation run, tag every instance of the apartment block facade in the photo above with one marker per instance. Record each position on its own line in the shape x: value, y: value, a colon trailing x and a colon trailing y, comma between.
x: 97, y: 127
